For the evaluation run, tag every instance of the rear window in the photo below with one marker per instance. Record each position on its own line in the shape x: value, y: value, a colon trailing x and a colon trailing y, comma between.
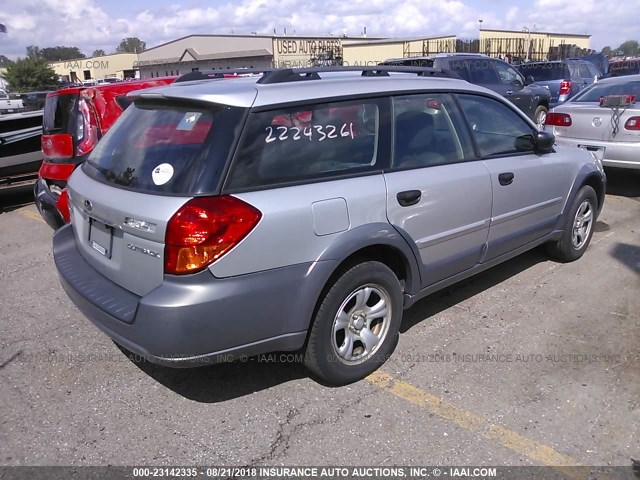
x: 59, y: 114
x: 542, y: 72
x: 171, y: 149
x: 307, y: 142
x: 602, y: 89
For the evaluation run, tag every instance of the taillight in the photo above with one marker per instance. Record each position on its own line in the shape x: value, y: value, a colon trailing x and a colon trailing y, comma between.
x: 558, y: 119
x: 56, y: 171
x: 57, y: 146
x: 204, y: 229
x: 62, y: 204
x: 86, y: 128
x: 632, y: 123
x: 565, y: 87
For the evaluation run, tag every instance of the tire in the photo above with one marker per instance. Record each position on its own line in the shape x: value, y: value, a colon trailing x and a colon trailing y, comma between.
x: 345, y: 347
x: 540, y: 115
x: 578, y: 230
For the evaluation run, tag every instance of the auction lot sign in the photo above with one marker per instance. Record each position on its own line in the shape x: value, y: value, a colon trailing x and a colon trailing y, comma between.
x: 322, y: 473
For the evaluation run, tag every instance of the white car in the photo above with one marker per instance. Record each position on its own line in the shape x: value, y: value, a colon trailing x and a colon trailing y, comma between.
x: 604, y: 119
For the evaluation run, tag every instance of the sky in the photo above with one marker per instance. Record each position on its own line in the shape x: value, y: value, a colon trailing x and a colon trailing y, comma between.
x: 101, y: 24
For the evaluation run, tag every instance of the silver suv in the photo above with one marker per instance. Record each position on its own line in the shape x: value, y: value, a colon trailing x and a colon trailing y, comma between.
x: 306, y: 209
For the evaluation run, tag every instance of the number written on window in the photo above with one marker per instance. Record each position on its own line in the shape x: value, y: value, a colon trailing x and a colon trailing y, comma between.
x: 314, y: 132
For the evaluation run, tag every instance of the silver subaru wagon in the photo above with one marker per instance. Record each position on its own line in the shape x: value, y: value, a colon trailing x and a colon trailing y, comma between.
x: 306, y: 209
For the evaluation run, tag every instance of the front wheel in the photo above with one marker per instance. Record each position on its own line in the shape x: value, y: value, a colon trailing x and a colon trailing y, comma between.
x: 355, y: 328
x: 578, y: 228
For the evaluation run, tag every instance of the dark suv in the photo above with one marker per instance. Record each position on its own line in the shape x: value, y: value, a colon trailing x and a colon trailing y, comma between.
x: 491, y: 73
x: 563, y: 78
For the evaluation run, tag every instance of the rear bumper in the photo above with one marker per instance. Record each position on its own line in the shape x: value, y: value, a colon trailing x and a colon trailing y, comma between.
x: 616, y: 154
x: 196, y: 319
x: 46, y: 203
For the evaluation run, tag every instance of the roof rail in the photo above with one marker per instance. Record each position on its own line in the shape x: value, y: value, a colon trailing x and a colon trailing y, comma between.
x: 285, y: 75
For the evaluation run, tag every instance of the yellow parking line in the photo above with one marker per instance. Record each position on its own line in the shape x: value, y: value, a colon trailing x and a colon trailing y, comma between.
x: 32, y: 215
x: 532, y: 449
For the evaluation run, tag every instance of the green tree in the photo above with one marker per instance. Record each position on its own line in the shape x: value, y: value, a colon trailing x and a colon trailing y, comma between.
x: 5, y: 62
x: 33, y: 51
x: 131, y: 45
x: 31, y: 74
x: 98, y: 53
x: 59, y: 53
x: 629, y: 48
x: 606, y: 51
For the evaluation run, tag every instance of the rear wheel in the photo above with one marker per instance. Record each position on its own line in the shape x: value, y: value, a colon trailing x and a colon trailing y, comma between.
x: 578, y: 229
x: 356, y: 325
x: 541, y: 116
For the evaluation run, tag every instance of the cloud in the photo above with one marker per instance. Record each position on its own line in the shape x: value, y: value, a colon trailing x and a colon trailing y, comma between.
x: 83, y: 23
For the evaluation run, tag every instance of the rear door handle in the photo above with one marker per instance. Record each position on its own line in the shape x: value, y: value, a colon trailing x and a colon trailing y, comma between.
x: 409, y: 197
x: 506, y: 178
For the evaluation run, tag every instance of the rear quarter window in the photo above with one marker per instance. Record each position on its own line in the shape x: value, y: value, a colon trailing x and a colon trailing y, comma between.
x: 170, y: 149
x: 306, y: 143
x: 59, y: 114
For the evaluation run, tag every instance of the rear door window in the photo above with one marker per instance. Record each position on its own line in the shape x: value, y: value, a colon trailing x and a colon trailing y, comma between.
x: 483, y: 72
x: 428, y: 130
x: 166, y: 148
x: 59, y: 114
x: 306, y: 143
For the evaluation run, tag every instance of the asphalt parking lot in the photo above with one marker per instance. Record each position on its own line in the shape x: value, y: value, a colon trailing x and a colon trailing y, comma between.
x: 530, y: 363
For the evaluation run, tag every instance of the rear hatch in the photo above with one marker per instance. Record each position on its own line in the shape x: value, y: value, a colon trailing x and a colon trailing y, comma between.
x: 70, y: 127
x: 155, y: 158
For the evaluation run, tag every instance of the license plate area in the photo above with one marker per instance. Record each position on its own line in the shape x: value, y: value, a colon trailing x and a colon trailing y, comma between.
x: 595, y: 150
x: 100, y: 237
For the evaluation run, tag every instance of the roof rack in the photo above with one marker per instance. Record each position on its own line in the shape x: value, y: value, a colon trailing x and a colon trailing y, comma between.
x: 285, y: 75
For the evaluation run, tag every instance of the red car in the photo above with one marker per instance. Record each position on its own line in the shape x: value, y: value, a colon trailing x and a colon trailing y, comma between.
x: 75, y: 118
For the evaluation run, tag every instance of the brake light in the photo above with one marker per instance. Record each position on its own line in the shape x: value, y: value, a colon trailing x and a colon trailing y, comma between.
x: 565, y: 87
x: 62, y: 204
x: 632, y: 124
x: 558, y: 119
x: 204, y: 229
x: 57, y: 146
x: 87, y: 128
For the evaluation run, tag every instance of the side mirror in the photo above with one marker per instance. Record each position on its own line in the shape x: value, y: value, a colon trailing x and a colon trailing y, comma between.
x: 529, y: 80
x: 544, y: 142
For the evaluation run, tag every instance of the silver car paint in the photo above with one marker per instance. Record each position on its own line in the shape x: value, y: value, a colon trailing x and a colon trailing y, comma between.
x: 536, y: 196
x: 286, y: 234
x: 592, y: 128
x: 310, y: 228
x: 132, y: 269
x: 245, y: 92
x: 450, y: 223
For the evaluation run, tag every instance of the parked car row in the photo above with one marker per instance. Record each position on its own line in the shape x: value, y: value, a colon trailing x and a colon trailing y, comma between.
x: 350, y: 179
x: 75, y: 118
x: 563, y: 78
x: 501, y: 77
